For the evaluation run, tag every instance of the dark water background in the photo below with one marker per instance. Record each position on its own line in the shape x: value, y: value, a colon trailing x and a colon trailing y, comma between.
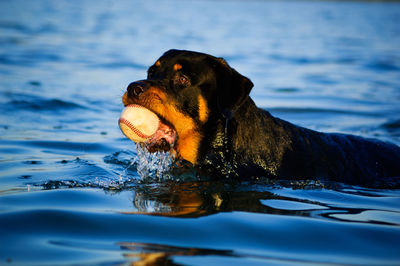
x: 70, y: 192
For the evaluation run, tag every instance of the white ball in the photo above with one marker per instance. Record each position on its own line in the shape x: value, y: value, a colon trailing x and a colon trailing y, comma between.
x: 138, y: 123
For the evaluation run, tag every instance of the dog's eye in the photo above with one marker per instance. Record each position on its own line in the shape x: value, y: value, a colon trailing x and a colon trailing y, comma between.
x: 182, y: 80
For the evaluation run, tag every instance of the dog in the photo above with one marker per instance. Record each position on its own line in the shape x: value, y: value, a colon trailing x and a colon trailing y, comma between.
x: 209, y: 120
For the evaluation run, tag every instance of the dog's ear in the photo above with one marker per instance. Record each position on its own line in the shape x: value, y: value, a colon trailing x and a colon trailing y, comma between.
x: 233, y: 88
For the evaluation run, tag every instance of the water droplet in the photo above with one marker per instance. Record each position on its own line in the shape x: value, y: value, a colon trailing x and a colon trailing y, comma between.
x: 153, y: 165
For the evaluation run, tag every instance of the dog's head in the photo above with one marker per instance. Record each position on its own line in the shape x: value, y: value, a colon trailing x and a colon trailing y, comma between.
x: 190, y: 92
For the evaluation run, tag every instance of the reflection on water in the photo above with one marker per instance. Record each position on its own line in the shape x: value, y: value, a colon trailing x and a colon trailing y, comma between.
x: 196, y: 199
x: 154, y: 254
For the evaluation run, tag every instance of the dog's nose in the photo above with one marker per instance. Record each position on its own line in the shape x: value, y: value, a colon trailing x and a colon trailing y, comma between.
x: 136, y: 88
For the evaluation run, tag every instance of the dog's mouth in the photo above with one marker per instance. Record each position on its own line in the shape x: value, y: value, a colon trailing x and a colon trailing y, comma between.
x: 164, y: 139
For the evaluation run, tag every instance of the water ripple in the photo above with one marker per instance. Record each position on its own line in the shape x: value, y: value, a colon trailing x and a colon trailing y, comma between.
x: 44, y: 105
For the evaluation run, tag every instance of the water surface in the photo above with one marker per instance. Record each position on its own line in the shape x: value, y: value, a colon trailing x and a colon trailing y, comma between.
x: 72, y: 190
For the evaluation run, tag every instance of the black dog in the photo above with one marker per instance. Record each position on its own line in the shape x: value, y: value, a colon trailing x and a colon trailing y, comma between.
x: 210, y: 120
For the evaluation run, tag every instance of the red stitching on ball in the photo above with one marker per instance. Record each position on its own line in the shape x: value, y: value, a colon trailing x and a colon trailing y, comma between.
x: 134, y: 129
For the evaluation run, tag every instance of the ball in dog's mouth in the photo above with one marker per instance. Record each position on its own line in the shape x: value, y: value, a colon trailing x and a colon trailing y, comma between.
x: 142, y: 125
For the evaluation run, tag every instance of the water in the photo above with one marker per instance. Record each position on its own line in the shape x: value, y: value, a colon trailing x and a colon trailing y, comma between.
x: 73, y: 190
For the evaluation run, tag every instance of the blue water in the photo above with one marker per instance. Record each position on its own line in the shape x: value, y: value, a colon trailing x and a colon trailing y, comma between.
x: 73, y: 191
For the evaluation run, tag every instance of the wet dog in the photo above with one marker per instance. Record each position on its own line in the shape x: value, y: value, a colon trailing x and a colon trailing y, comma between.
x: 209, y: 120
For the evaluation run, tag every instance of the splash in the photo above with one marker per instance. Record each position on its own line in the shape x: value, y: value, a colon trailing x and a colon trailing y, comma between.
x: 153, y: 166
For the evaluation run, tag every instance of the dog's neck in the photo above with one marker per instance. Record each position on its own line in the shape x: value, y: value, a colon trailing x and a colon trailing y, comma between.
x: 229, y: 143
x: 267, y: 135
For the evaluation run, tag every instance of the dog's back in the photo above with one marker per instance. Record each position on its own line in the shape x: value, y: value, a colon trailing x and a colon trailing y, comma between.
x: 284, y: 150
x: 344, y: 158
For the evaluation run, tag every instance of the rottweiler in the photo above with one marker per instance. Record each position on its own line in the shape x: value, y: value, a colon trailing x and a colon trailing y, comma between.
x: 209, y: 120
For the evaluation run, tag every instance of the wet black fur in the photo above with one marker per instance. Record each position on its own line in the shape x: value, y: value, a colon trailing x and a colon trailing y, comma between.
x: 241, y: 140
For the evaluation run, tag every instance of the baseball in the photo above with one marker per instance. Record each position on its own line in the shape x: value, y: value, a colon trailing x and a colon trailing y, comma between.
x: 138, y: 123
